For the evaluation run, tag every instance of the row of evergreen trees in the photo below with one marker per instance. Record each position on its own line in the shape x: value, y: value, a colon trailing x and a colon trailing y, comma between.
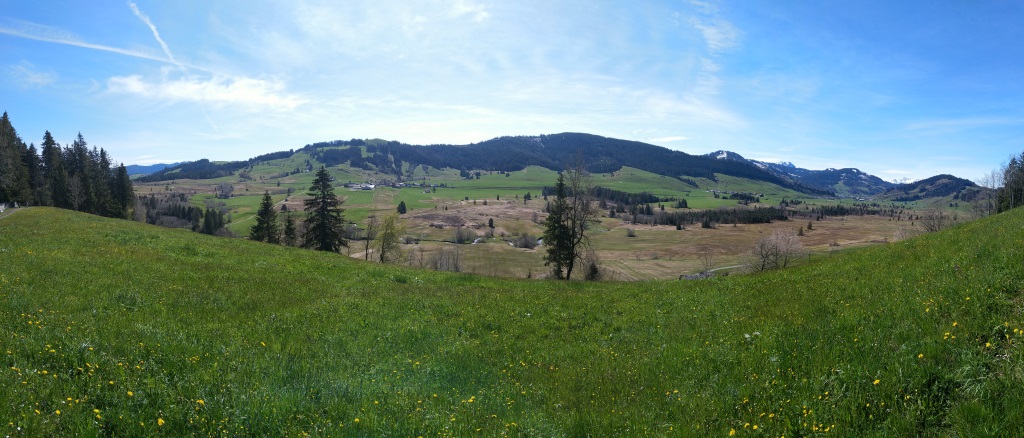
x: 323, y: 226
x: 73, y: 177
x: 1011, y: 194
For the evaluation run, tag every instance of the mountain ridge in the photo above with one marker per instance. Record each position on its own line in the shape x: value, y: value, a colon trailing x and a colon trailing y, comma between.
x: 552, y: 151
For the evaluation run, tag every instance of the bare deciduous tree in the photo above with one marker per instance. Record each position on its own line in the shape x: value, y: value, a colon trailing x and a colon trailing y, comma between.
x: 372, y: 227
x: 984, y: 202
x: 447, y: 259
x: 776, y: 251
x: 934, y: 219
x: 707, y: 259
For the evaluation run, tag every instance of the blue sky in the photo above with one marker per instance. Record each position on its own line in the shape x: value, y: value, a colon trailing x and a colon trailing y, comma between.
x: 898, y: 89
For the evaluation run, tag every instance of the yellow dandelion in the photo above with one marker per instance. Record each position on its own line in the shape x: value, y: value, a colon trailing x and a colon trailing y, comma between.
x: 920, y: 355
x: 57, y: 412
x: 357, y: 420
x: 877, y: 381
x: 954, y: 324
x: 131, y: 394
x: 732, y: 432
x: 201, y: 402
x: 160, y: 421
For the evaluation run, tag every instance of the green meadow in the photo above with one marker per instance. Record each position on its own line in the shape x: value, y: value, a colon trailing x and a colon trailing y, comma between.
x: 118, y: 328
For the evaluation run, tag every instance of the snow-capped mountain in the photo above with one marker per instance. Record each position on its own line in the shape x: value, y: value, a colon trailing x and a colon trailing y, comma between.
x: 847, y: 182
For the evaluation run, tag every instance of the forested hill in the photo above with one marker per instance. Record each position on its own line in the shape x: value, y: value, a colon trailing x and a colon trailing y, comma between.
x: 602, y: 154
x: 936, y: 186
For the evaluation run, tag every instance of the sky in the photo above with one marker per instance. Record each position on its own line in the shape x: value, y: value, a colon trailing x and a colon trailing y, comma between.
x: 905, y: 89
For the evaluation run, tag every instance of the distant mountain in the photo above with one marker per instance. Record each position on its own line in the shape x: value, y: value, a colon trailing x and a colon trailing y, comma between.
x: 602, y: 155
x: 934, y: 187
x: 136, y: 169
x: 847, y: 182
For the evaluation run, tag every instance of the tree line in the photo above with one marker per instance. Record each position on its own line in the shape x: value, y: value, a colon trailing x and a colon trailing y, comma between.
x: 1011, y: 194
x: 73, y: 177
x: 175, y: 211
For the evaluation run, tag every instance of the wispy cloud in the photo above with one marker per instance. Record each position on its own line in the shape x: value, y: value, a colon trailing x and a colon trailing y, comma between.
x: 465, y: 7
x: 38, y: 32
x: 719, y: 35
x: 156, y: 34
x: 254, y: 94
x: 962, y: 123
x: 25, y: 75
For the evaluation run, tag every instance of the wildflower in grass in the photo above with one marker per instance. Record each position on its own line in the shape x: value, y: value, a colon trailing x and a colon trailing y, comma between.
x: 877, y: 381
x: 160, y: 421
x: 732, y: 432
x: 130, y: 394
x: 920, y: 355
x: 57, y: 412
x: 200, y: 402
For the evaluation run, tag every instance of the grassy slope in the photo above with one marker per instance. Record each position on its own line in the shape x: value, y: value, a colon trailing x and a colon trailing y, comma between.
x: 122, y: 326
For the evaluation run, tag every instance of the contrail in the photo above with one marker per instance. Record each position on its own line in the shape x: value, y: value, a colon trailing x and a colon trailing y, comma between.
x: 64, y: 39
x: 156, y: 34
x: 167, y: 51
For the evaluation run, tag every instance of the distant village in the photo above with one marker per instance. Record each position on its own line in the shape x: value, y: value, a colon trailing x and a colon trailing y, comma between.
x: 427, y: 188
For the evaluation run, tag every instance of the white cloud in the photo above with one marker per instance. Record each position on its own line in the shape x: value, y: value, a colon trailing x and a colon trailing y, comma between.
x: 719, y: 35
x: 26, y: 76
x: 254, y: 94
x: 465, y: 7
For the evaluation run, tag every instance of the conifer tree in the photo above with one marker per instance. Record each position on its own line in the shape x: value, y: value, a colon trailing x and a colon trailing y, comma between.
x: 123, y: 194
x: 570, y: 218
x: 289, y: 230
x: 14, y: 176
x: 323, y: 216
x: 265, y: 229
x: 556, y: 232
x: 54, y: 176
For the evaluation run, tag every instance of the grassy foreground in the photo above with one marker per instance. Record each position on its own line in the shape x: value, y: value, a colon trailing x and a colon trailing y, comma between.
x: 117, y: 328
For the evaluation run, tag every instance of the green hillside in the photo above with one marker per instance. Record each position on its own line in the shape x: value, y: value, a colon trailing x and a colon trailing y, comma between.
x: 119, y: 328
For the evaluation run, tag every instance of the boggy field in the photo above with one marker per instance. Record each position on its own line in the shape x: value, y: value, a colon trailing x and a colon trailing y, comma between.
x: 118, y: 328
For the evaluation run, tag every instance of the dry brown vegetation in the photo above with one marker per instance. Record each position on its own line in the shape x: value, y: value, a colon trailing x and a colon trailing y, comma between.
x: 656, y: 252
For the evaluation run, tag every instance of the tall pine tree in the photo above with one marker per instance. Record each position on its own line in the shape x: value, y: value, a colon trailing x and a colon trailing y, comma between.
x: 289, y: 230
x: 14, y: 176
x: 266, y: 229
x: 557, y: 238
x: 323, y: 216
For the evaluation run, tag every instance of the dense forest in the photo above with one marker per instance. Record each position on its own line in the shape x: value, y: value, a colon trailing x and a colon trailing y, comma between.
x: 206, y: 169
x: 73, y: 177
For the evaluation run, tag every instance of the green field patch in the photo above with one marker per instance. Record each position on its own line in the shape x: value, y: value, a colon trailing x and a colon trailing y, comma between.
x: 131, y: 329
